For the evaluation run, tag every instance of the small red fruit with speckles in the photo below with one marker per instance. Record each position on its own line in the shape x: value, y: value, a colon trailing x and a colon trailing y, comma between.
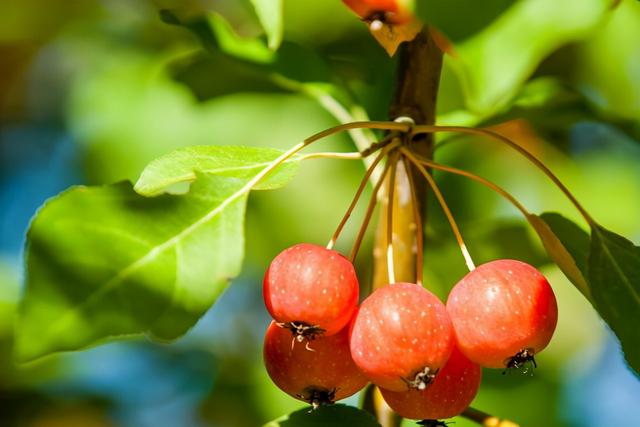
x: 450, y: 393
x: 311, y: 290
x: 321, y: 375
x: 503, y: 313
x: 401, y: 336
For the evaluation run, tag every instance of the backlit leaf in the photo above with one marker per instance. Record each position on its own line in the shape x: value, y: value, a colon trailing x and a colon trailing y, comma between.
x: 614, y: 276
x: 105, y: 262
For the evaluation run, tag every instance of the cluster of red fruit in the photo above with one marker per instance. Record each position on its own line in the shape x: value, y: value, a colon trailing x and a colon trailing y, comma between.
x: 425, y: 357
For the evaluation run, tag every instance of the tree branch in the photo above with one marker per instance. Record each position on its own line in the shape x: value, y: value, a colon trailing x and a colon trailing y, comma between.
x: 416, y: 93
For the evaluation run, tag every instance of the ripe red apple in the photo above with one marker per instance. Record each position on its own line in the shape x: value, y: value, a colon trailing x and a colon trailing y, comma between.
x: 450, y: 393
x: 503, y: 313
x: 401, y: 336
x: 322, y: 375
x: 311, y: 290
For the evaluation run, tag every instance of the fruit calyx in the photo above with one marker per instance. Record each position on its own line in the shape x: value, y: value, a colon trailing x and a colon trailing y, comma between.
x: 432, y: 423
x: 521, y: 360
x: 422, y: 379
x: 302, y: 331
x: 318, y: 396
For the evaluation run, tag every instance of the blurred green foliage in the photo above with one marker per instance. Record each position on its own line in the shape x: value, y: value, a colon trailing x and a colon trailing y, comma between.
x: 127, y: 87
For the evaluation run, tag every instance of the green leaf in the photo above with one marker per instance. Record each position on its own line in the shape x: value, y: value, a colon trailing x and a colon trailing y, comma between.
x: 566, y: 244
x: 334, y: 415
x: 575, y: 239
x: 614, y: 275
x: 251, y: 49
x: 270, y: 15
x: 494, y: 63
x: 285, y: 69
x: 104, y: 262
x: 181, y: 166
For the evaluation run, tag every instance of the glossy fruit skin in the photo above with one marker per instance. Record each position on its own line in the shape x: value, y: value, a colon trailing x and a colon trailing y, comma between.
x: 297, y: 370
x: 311, y: 284
x: 501, y: 308
x: 450, y: 393
x: 399, y: 330
x: 392, y: 11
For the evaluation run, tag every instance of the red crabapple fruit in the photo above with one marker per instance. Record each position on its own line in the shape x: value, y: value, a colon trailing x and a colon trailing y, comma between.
x: 311, y: 290
x: 450, y: 393
x: 503, y: 313
x: 388, y: 11
x: 321, y: 376
x: 401, y: 336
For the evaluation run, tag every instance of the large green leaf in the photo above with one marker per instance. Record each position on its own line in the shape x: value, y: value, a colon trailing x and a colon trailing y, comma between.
x: 270, y: 15
x: 183, y: 164
x: 614, y: 276
x: 105, y: 261
x: 334, y: 415
x: 605, y: 268
x: 494, y: 63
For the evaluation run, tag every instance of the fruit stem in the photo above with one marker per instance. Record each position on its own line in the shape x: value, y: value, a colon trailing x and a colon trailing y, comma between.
x: 392, y: 185
x: 485, y: 419
x: 359, y: 191
x: 533, y: 159
x: 454, y: 226
x: 367, y: 216
x: 479, y: 179
x: 417, y: 224
x: 326, y: 155
x: 313, y: 138
x: 381, y: 125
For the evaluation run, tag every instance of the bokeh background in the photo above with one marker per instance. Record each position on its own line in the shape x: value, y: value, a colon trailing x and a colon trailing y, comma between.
x: 92, y: 90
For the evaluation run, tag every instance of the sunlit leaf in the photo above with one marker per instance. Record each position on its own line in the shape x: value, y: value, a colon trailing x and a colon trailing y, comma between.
x: 182, y: 165
x: 270, y: 15
x: 609, y: 77
x: 614, y: 276
x: 495, y: 62
x: 334, y: 415
x: 105, y: 261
